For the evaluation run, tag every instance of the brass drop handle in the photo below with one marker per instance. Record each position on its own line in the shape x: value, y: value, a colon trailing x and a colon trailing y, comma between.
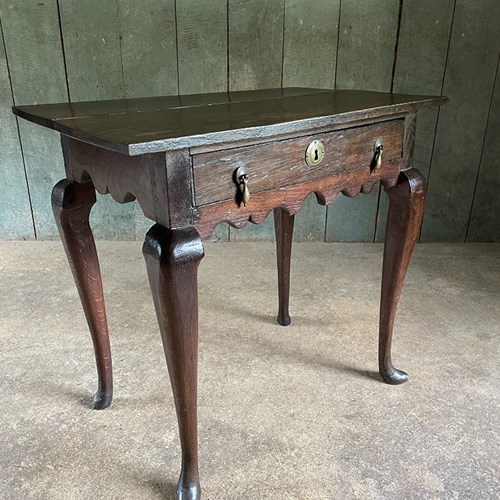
x: 241, y: 178
x: 378, y: 149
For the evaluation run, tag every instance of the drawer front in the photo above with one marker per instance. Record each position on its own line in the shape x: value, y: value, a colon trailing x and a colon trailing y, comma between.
x: 283, y: 163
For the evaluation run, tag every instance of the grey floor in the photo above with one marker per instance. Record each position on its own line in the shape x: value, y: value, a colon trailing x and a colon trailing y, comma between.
x: 284, y: 413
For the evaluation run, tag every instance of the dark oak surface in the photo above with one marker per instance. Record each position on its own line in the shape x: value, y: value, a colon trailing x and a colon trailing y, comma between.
x: 172, y: 259
x: 71, y: 204
x: 291, y: 198
x: 138, y: 126
x: 281, y: 163
x: 404, y: 219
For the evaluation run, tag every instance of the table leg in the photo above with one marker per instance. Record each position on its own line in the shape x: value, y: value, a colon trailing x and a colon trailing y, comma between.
x: 406, y: 209
x: 283, y: 227
x: 71, y: 203
x: 172, y: 258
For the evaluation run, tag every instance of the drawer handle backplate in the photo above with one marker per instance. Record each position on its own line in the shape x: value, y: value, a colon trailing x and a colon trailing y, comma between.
x: 241, y: 178
x: 378, y: 149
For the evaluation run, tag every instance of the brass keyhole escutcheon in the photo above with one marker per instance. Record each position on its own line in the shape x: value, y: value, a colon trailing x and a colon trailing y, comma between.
x: 315, y: 153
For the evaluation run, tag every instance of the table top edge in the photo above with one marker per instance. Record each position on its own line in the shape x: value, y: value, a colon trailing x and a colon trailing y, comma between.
x: 132, y: 148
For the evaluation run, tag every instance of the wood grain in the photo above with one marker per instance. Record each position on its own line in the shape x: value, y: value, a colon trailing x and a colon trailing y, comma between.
x: 15, y: 209
x: 161, y: 182
x: 278, y: 164
x: 283, y: 225
x: 172, y: 259
x: 71, y: 203
x: 461, y: 126
x: 406, y: 210
x: 37, y: 75
x: 220, y: 120
x: 367, y: 39
x: 424, y: 35
x: 291, y: 199
x: 125, y: 178
x: 484, y: 223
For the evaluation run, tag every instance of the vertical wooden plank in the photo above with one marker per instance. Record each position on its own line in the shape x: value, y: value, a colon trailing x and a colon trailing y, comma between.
x: 484, y: 223
x: 33, y: 47
x: 420, y: 64
x: 255, y: 44
x: 255, y: 37
x: 469, y: 80
x: 91, y: 38
x: 16, y: 221
x: 202, y: 32
x: 148, y: 42
x: 310, y: 43
x: 202, y: 55
x: 309, y: 60
x: 92, y: 49
x: 367, y: 40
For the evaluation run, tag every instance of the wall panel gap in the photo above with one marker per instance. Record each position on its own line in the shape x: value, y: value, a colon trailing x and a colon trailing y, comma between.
x: 378, y: 215
x: 124, y: 95
x: 482, y: 150
x: 176, y: 44
x: 19, y: 134
x: 439, y: 111
x: 283, y: 44
x: 63, y: 49
x: 227, y: 45
x: 336, y: 57
x: 396, y: 45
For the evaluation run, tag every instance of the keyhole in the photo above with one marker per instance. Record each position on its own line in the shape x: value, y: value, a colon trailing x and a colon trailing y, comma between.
x: 315, y: 153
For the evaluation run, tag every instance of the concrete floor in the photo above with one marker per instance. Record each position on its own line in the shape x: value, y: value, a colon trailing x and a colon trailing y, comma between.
x: 285, y: 413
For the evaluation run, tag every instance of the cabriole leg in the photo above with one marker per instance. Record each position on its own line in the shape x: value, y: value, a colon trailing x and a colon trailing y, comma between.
x: 406, y: 209
x: 172, y: 258
x: 283, y: 227
x: 71, y: 203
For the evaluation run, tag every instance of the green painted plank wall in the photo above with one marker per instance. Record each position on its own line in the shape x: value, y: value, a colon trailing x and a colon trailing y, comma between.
x: 16, y: 220
x: 55, y: 50
x: 36, y: 65
x: 469, y: 81
x: 484, y: 224
x: 420, y: 60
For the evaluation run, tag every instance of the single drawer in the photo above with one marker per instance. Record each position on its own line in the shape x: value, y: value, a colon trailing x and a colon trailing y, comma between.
x: 283, y: 163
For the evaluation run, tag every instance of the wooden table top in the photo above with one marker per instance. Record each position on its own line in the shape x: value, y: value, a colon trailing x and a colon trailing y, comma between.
x: 155, y: 124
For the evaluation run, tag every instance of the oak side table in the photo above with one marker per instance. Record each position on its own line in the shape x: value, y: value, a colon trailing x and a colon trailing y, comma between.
x: 197, y: 160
